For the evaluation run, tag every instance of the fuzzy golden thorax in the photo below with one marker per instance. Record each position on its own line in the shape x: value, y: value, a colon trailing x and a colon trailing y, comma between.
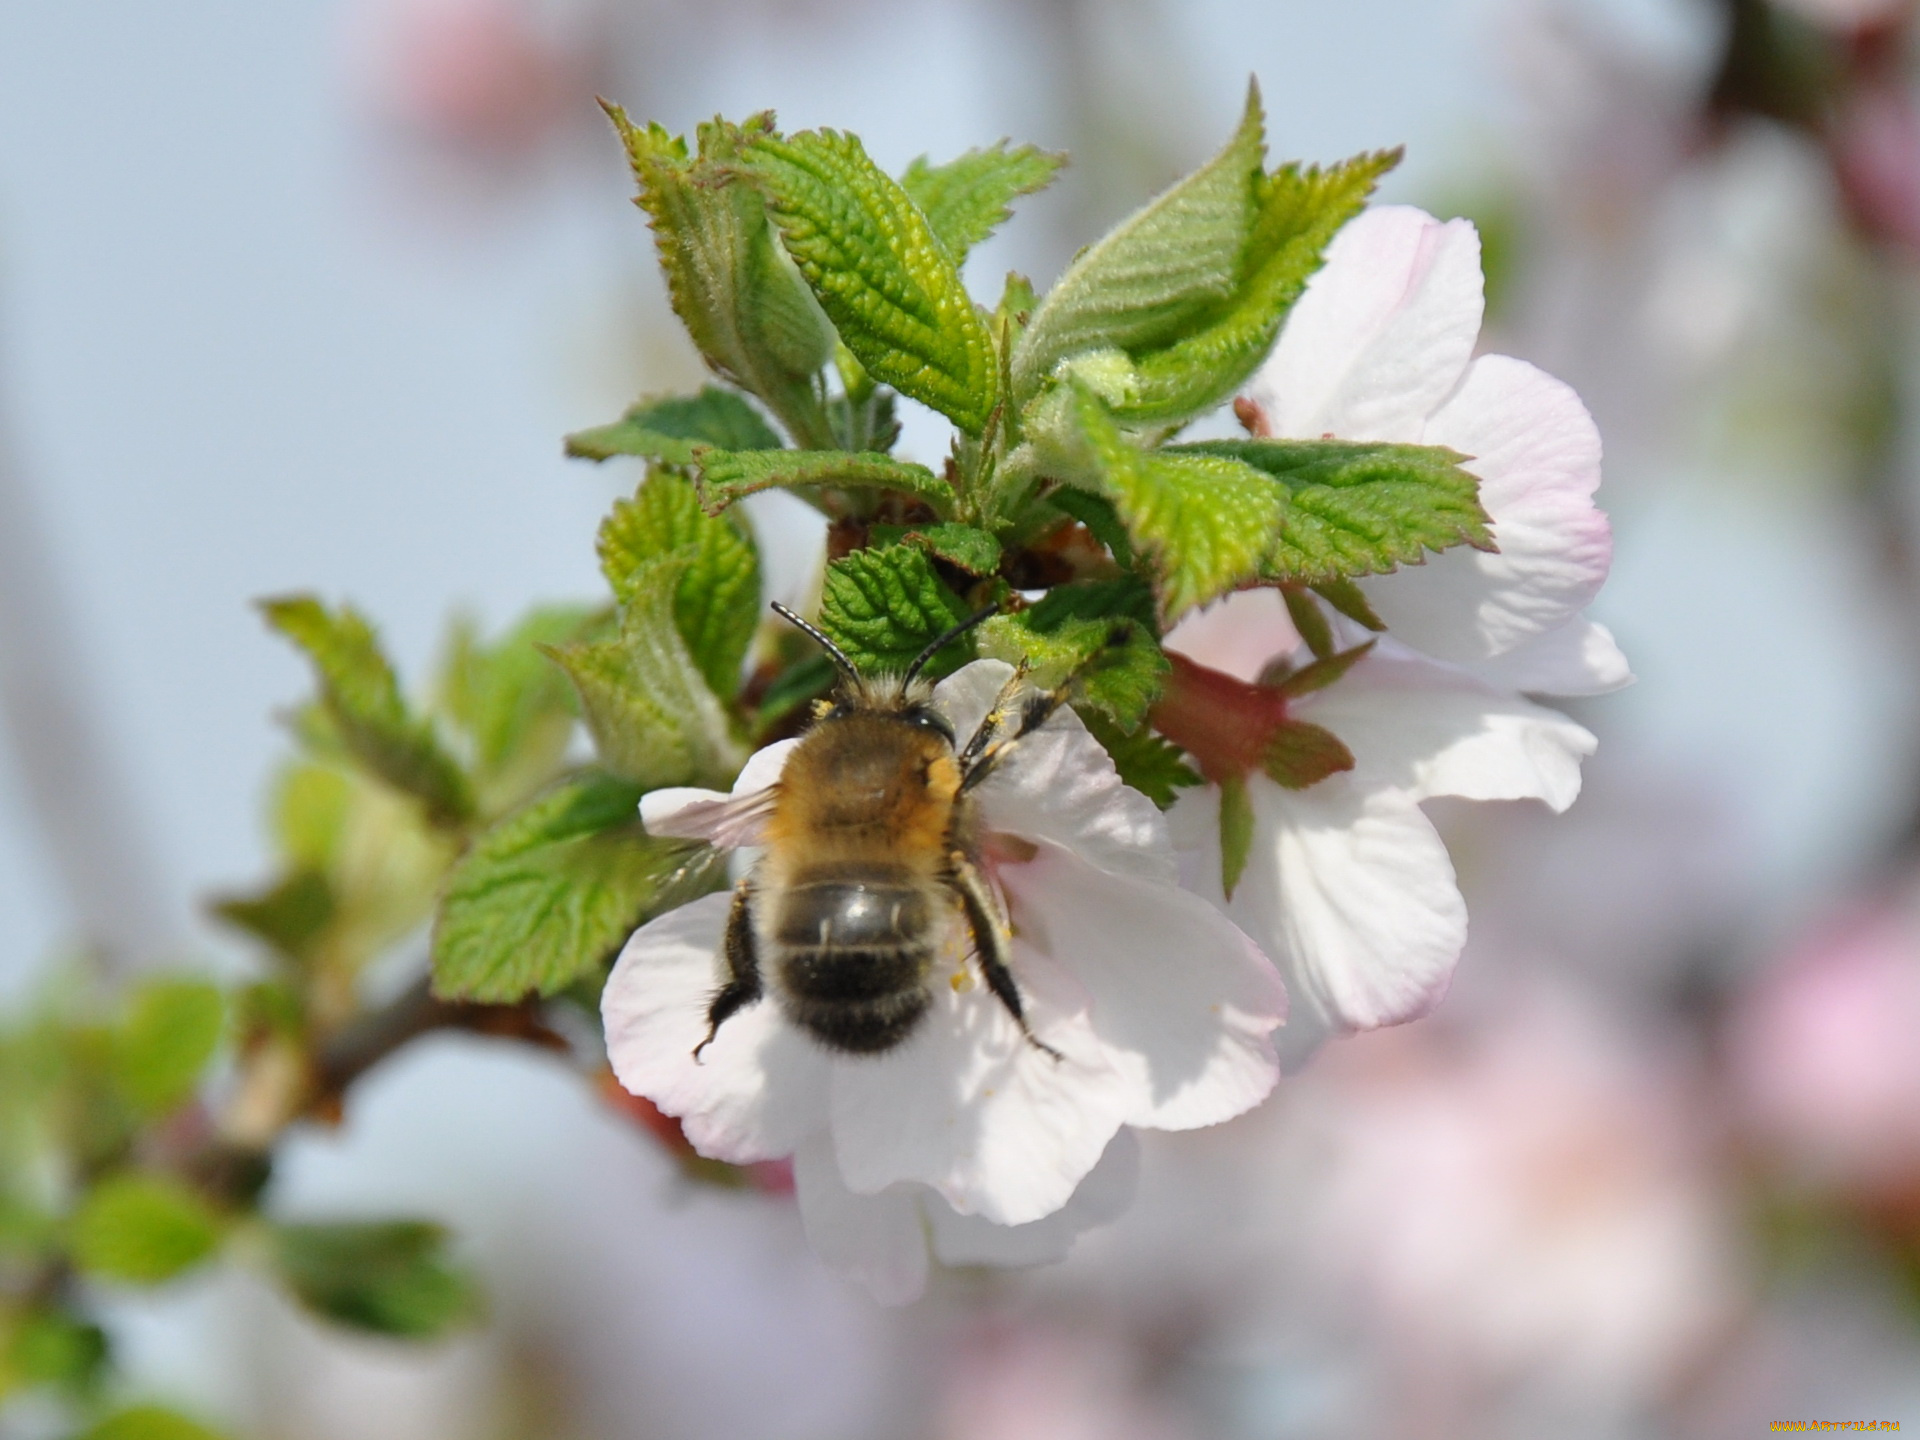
x: 864, y: 788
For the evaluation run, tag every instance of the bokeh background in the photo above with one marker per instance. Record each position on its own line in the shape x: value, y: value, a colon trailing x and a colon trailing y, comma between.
x: 303, y: 295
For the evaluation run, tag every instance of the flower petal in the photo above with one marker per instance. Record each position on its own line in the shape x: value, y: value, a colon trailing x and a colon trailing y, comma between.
x: 966, y: 695
x: 879, y: 1241
x: 756, y: 1091
x: 729, y: 821
x: 1058, y: 783
x: 1578, y: 658
x: 1240, y: 634
x: 1382, y: 333
x: 1348, y: 887
x: 1183, y: 1002
x: 968, y: 1106
x: 1537, y: 453
x: 1101, y: 1199
x: 1430, y: 729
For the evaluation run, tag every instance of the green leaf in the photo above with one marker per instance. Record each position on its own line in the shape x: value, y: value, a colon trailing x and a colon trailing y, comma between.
x: 667, y: 428
x: 1322, y: 673
x: 142, y: 1229
x: 1160, y: 272
x: 1300, y: 209
x: 811, y: 679
x: 1206, y: 521
x: 864, y: 424
x: 1360, y: 508
x: 746, y: 307
x: 552, y: 891
x: 971, y: 550
x: 1146, y: 760
x: 149, y: 1422
x: 26, y: 1231
x: 726, y: 476
x: 1348, y: 598
x: 52, y: 1348
x: 883, y: 607
x: 1098, y: 515
x: 310, y: 807
x: 966, y: 200
x: 1236, y: 832
x: 716, y: 605
x: 654, y: 719
x: 374, y: 861
x: 515, y: 710
x: 1309, y: 619
x: 855, y: 383
x: 1015, y: 310
x: 888, y: 284
x: 362, y: 698
x: 171, y: 1031
x: 389, y: 1277
x: 1097, y: 637
x: 289, y: 916
x: 1301, y: 754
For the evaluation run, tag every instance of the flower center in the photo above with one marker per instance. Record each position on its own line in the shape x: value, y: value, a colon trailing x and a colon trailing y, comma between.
x: 1224, y: 723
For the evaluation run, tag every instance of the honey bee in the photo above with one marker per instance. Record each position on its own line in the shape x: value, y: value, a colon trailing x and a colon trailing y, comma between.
x: 871, y: 852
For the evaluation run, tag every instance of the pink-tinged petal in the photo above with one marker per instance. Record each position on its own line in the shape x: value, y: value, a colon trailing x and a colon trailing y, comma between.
x: 729, y: 821
x: 1537, y: 454
x: 965, y: 696
x: 1240, y: 635
x: 878, y: 1241
x: 1348, y: 888
x: 1427, y: 729
x: 1183, y: 1002
x: 756, y: 1091
x: 967, y: 1106
x: 1101, y: 1199
x: 1382, y: 333
x: 1058, y: 784
x: 1578, y: 658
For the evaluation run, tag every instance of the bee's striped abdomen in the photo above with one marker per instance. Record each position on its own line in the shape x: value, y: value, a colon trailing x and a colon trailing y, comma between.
x: 854, y: 953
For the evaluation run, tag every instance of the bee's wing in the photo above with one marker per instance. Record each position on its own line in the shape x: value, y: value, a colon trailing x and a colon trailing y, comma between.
x: 729, y: 821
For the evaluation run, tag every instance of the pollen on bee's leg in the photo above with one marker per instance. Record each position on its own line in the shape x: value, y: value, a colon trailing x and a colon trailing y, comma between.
x: 957, y: 955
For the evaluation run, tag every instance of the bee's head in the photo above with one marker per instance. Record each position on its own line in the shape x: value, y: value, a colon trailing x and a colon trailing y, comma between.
x: 908, y: 695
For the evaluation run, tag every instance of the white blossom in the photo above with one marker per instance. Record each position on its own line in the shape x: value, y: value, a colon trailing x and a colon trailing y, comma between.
x: 966, y: 1136
x: 1348, y: 885
x: 1380, y: 347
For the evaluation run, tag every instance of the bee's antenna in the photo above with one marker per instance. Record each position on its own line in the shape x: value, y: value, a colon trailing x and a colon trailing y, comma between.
x: 947, y: 639
x: 838, y: 655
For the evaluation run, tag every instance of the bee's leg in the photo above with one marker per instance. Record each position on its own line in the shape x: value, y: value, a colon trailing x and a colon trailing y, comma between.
x: 990, y: 941
x: 1016, y: 713
x: 743, y: 968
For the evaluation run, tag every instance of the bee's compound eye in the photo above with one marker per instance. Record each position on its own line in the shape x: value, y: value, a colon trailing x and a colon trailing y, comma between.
x: 928, y: 718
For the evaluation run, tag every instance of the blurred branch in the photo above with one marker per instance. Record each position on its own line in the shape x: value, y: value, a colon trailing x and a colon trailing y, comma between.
x: 363, y: 1043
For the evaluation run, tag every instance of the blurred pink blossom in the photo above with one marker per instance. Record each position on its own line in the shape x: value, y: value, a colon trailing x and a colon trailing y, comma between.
x: 1824, y: 1059
x: 486, y: 77
x: 1526, y: 1205
x: 1848, y: 14
x: 1874, y: 141
x: 1032, y: 1379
